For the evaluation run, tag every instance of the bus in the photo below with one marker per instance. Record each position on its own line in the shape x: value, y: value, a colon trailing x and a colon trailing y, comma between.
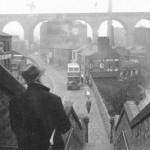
x: 73, y: 76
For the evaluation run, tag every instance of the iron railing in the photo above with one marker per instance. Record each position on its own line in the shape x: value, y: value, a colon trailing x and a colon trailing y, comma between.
x: 122, y: 142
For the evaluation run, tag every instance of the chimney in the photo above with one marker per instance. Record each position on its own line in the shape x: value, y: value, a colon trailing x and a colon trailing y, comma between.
x: 103, y: 44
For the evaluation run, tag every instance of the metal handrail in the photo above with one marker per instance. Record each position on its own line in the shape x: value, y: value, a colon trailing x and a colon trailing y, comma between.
x: 66, y: 145
x: 69, y: 136
x: 75, y: 117
x: 125, y: 140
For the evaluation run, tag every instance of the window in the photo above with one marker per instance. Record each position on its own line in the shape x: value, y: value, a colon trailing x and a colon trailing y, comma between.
x: 1, y: 47
x: 76, y: 69
x: 70, y: 69
x: 101, y: 65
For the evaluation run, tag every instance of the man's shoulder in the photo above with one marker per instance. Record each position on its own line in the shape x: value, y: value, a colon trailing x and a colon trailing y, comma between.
x: 54, y: 96
x: 50, y: 95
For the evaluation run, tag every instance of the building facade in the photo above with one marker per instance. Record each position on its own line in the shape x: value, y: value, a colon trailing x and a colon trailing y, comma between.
x: 5, y: 47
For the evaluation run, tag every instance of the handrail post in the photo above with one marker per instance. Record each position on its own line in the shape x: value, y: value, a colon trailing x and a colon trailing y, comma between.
x: 111, y: 129
x: 86, y: 120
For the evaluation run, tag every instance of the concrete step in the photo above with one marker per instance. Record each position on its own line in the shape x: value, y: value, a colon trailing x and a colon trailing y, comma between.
x: 90, y: 146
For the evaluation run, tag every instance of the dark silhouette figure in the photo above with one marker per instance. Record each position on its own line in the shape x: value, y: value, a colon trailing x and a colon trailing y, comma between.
x: 36, y: 113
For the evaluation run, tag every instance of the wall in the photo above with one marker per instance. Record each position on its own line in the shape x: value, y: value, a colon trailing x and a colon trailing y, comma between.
x: 62, y: 57
x: 5, y: 50
x: 9, y: 86
x: 7, y: 137
x: 102, y: 108
x: 135, y: 125
x: 103, y: 44
x: 76, y: 136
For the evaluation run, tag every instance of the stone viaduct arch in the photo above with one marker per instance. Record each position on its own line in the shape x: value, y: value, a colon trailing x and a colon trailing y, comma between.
x: 28, y: 22
x: 114, y: 22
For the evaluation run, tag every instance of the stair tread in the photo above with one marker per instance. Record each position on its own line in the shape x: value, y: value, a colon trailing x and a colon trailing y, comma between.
x: 90, y: 146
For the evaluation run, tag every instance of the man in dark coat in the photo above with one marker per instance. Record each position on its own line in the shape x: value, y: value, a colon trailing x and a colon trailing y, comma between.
x: 36, y: 113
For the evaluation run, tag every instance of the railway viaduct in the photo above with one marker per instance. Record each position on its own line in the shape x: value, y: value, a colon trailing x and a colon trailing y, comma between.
x: 29, y: 21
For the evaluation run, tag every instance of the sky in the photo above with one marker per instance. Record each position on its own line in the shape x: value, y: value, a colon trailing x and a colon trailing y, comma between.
x: 67, y: 6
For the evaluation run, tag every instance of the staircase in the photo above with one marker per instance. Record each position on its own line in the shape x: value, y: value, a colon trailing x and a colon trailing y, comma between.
x: 82, y: 135
x: 88, y: 146
x: 9, y: 86
x: 97, y: 135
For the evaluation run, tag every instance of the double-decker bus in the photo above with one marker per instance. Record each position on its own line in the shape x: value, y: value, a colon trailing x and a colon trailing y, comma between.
x: 73, y: 76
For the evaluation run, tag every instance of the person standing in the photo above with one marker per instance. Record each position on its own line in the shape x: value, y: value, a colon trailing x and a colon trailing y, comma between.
x: 88, y: 101
x: 37, y: 113
x: 82, y: 78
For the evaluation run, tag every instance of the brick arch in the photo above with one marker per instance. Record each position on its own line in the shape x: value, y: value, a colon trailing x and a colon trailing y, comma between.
x: 7, y: 22
x: 125, y: 26
x: 35, y: 23
x: 86, y: 22
x: 140, y: 20
x: 89, y: 21
x: 113, y: 39
x: 98, y: 22
x: 141, y: 35
x: 128, y: 20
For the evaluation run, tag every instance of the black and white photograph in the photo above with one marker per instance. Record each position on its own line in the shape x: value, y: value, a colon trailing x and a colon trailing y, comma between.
x: 74, y: 74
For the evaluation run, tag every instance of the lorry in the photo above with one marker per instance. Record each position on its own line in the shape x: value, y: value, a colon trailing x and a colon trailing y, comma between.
x: 73, y: 76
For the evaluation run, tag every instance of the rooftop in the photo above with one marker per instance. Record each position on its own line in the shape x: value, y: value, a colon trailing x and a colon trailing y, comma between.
x: 5, y: 34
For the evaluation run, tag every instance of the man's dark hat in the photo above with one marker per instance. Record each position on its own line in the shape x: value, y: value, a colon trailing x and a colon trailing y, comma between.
x: 31, y: 73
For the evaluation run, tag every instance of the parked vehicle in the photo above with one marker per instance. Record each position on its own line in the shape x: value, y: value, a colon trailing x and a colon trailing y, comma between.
x: 73, y: 76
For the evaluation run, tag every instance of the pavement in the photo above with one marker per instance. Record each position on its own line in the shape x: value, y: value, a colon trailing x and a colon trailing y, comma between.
x: 97, y: 137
